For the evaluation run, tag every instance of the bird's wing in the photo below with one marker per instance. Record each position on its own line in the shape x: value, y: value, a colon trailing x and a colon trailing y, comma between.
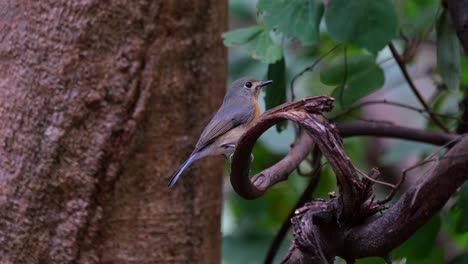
x: 227, y: 118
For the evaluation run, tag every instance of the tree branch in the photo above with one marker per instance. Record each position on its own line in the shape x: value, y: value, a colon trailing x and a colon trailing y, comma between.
x: 241, y: 158
x: 307, y: 114
x: 343, y: 225
x: 363, y: 128
x: 362, y: 104
x: 316, y: 229
x: 413, y: 209
x: 303, y: 145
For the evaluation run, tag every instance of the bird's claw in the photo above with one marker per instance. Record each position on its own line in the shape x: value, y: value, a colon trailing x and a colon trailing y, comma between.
x: 230, y: 157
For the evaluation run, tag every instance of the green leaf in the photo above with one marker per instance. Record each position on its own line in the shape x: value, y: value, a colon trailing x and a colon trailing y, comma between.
x: 448, y: 52
x: 334, y: 74
x: 435, y: 256
x: 462, y: 205
x: 275, y: 93
x: 416, y: 17
x: 370, y: 24
x: 294, y: 18
x: 358, y: 77
x: 257, y: 41
x: 464, y: 66
x: 241, y: 36
x: 420, y: 244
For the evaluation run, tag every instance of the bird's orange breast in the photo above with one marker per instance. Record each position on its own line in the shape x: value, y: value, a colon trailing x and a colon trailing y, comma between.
x: 256, y: 110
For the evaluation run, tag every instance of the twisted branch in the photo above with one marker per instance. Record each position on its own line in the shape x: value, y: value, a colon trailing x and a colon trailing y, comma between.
x: 251, y: 189
x: 306, y: 113
x: 346, y: 225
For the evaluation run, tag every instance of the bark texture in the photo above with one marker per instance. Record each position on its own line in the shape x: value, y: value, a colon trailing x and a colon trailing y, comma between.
x: 100, y: 101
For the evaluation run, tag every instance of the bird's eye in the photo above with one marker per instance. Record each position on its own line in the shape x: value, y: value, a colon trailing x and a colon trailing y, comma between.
x: 248, y: 85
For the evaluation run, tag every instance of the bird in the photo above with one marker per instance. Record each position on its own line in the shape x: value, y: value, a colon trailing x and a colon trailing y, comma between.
x: 235, y: 115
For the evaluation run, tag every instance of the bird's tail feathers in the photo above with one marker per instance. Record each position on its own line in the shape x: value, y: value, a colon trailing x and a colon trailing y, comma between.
x: 176, y: 176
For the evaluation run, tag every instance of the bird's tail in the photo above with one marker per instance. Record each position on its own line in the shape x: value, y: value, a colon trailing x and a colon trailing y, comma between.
x: 176, y: 176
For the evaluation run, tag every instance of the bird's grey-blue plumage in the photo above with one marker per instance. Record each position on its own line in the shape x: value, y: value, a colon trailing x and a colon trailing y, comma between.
x: 238, y: 108
x: 176, y: 176
x: 229, y: 116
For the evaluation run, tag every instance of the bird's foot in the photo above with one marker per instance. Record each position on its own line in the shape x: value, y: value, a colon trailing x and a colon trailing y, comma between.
x: 230, y: 157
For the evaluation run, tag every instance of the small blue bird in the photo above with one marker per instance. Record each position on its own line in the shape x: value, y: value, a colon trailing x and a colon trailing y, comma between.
x: 239, y: 109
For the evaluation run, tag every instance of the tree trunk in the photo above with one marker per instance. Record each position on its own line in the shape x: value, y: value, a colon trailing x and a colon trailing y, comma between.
x: 100, y: 103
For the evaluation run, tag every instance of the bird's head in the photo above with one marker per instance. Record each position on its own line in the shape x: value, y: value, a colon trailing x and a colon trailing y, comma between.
x: 245, y: 87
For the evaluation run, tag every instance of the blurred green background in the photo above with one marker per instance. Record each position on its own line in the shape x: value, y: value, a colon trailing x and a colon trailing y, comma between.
x: 249, y: 226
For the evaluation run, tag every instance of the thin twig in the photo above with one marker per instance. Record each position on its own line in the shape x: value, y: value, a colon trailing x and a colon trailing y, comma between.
x: 414, y: 167
x: 342, y: 86
x: 394, y: 190
x: 309, y: 68
x: 375, y: 180
x: 410, y: 82
x: 360, y: 128
x: 403, y: 217
x: 430, y: 158
x: 306, y: 69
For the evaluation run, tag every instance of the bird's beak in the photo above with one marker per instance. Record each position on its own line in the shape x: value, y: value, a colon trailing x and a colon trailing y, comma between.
x: 264, y: 83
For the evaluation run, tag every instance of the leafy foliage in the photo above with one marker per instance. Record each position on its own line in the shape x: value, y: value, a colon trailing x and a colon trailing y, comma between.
x: 300, y: 18
x: 257, y: 41
x: 355, y: 77
x: 416, y: 17
x: 346, y: 41
x: 368, y: 23
x: 276, y: 92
